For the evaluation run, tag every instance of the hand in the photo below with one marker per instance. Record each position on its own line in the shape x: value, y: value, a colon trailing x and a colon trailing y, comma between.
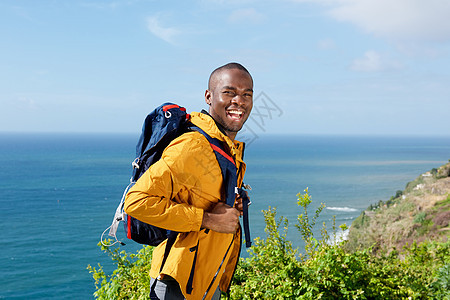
x: 238, y: 203
x: 222, y: 218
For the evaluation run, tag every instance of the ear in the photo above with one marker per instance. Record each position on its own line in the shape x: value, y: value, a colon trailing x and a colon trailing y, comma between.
x: 208, y: 97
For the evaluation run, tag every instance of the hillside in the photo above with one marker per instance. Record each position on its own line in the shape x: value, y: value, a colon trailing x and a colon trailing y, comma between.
x: 418, y: 213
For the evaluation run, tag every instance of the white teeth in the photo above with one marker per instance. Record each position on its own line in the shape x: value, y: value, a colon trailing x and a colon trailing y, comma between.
x: 235, y: 112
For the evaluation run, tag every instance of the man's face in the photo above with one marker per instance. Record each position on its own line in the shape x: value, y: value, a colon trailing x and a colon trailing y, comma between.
x: 230, y: 98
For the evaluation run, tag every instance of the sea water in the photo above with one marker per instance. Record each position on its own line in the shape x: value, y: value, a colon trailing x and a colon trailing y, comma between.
x: 59, y: 192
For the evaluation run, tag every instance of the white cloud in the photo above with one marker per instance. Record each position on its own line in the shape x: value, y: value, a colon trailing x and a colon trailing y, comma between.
x: 249, y: 15
x: 374, y: 62
x: 399, y: 19
x: 403, y: 20
x: 167, y: 34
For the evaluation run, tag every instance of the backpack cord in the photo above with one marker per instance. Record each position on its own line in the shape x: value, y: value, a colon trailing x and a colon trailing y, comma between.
x: 117, y: 218
x: 109, y: 245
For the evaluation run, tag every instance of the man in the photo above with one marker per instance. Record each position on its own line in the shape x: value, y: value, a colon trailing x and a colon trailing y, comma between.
x: 183, y: 192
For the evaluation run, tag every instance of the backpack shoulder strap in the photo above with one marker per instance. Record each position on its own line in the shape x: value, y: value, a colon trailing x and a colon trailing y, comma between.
x: 227, y: 166
x: 229, y: 175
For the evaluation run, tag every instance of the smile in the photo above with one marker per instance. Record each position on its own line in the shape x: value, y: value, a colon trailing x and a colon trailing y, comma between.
x: 235, y: 114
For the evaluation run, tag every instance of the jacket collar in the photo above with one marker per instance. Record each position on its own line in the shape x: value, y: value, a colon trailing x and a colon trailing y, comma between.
x: 219, y: 126
x: 207, y: 123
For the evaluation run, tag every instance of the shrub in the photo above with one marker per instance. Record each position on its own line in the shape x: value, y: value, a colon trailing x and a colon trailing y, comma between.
x: 275, y: 270
x: 130, y: 280
x: 326, y: 271
x: 441, y: 286
x: 420, y: 217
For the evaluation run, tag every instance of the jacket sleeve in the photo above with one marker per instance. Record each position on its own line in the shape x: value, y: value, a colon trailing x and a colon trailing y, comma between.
x: 174, y: 191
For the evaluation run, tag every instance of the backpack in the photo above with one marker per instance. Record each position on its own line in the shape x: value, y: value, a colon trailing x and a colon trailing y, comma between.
x: 161, y: 126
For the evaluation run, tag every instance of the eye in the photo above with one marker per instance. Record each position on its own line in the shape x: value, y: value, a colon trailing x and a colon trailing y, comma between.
x: 229, y: 93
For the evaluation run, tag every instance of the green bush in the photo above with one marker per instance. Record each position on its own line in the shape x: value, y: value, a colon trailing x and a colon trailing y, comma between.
x: 131, y: 279
x: 275, y: 270
x: 441, y: 286
x: 420, y: 217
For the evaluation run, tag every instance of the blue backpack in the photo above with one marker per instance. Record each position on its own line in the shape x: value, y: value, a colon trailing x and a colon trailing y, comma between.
x: 161, y: 126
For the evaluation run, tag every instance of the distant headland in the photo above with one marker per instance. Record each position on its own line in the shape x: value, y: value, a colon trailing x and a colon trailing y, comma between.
x: 421, y: 212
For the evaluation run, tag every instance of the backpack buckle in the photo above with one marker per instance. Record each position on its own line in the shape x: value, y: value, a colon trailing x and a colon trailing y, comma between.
x: 135, y: 163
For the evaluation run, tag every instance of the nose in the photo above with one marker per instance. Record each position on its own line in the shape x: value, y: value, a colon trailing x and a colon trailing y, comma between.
x: 238, y: 100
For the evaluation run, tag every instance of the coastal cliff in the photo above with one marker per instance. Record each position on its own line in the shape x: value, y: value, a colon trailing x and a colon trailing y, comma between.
x: 421, y: 212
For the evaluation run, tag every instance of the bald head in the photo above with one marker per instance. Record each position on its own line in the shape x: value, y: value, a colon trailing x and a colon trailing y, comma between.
x: 229, y: 66
x: 230, y: 97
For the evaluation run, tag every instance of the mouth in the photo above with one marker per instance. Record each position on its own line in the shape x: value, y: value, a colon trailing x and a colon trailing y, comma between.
x: 235, y: 114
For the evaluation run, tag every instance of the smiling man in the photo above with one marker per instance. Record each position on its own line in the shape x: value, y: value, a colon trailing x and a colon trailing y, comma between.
x: 230, y: 97
x: 184, y: 192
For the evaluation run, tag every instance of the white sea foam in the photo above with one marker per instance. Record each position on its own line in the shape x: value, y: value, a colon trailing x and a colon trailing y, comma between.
x: 344, y: 209
x: 339, y: 237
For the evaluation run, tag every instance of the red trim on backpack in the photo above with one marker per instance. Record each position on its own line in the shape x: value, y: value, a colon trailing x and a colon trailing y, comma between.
x: 167, y: 107
x: 223, y: 153
x: 129, y: 226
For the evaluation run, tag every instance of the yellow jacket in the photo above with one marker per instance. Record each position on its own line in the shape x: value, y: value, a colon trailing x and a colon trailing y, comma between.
x: 173, y: 194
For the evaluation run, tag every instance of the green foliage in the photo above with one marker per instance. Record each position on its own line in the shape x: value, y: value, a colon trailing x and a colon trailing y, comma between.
x: 272, y: 269
x: 420, y: 217
x: 361, y: 221
x: 424, y: 223
x: 441, y: 286
x: 130, y: 280
x: 305, y: 224
x: 398, y: 194
x: 328, y: 271
x: 275, y: 270
x: 443, y: 203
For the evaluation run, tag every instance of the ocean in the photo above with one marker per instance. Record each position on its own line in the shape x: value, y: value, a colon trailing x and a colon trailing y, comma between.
x: 58, y: 192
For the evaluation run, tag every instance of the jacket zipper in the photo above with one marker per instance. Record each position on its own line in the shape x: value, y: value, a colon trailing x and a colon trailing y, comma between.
x: 237, y: 260
x: 220, y: 266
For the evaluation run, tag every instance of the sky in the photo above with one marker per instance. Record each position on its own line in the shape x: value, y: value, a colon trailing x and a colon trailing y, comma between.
x: 333, y: 67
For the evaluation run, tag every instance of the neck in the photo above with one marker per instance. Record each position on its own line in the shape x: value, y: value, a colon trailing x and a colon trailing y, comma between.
x: 231, y: 135
x: 222, y: 129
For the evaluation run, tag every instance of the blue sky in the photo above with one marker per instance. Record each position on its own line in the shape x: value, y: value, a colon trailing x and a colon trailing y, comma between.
x: 320, y: 66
